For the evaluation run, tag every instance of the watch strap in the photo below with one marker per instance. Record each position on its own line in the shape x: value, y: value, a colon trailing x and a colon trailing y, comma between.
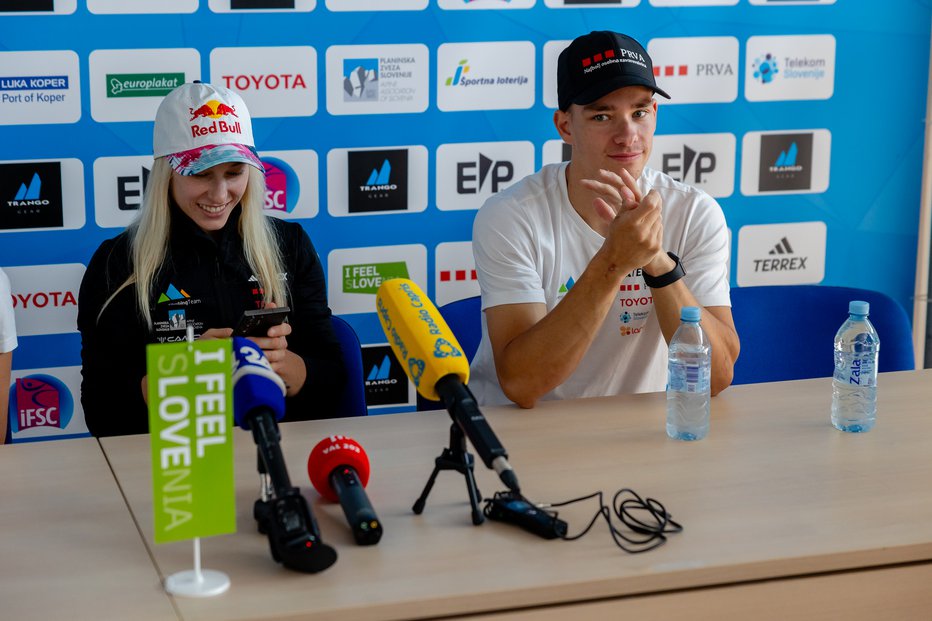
x: 656, y: 282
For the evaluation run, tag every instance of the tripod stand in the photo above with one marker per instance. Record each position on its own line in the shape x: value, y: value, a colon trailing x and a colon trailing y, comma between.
x: 454, y: 457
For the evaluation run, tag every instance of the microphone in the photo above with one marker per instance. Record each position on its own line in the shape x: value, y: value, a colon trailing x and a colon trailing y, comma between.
x: 258, y: 405
x: 339, y: 470
x: 434, y: 360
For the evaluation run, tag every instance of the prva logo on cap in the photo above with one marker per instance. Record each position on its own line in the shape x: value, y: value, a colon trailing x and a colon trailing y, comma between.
x: 212, y: 110
x: 366, y: 278
x: 40, y: 401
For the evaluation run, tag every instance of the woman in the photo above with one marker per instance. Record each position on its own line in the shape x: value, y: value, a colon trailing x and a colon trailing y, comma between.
x: 199, y: 254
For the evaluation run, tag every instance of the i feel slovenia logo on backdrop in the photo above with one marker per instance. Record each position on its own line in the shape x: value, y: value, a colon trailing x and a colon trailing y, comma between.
x: 129, y: 85
x: 377, y: 79
x: 41, y: 194
x: 38, y: 7
x: 485, y: 76
x: 355, y: 274
x: 119, y: 183
x: 705, y: 161
x: 470, y: 172
x: 785, y: 162
x: 455, y: 272
x: 378, y: 180
x: 696, y: 69
x: 781, y: 254
x: 273, y: 81
x: 784, y: 68
x: 45, y: 297
x: 39, y: 88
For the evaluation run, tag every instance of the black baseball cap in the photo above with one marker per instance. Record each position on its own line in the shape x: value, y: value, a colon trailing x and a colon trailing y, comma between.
x: 600, y: 62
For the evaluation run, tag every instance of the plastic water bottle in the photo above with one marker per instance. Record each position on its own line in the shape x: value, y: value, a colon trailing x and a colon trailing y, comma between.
x: 688, y: 379
x: 854, y: 384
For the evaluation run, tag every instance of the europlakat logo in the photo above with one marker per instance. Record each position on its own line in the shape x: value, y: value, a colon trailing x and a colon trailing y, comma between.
x: 142, y: 84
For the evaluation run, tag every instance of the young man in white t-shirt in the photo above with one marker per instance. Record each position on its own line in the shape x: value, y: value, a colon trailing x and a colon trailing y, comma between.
x: 7, y: 345
x: 584, y: 266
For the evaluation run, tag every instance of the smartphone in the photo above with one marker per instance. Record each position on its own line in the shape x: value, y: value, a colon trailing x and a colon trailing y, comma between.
x: 257, y: 322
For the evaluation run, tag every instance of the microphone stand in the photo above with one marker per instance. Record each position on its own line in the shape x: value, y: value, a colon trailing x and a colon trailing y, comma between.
x: 282, y: 512
x: 454, y: 457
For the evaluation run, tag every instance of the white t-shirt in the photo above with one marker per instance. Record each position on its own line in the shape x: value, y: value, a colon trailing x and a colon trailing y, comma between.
x: 7, y: 324
x: 530, y: 245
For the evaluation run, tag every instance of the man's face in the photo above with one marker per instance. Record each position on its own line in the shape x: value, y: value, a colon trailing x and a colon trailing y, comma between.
x: 614, y: 132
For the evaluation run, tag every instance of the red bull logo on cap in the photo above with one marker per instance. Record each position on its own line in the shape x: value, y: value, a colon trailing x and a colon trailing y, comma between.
x: 214, y: 111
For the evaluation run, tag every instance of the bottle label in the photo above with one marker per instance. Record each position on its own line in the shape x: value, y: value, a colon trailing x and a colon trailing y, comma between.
x: 688, y: 377
x: 862, y: 372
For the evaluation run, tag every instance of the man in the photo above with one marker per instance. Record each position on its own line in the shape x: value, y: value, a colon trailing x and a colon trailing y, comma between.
x: 584, y: 266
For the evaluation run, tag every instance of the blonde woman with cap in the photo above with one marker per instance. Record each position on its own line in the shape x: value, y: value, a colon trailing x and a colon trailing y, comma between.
x: 7, y: 345
x: 199, y: 254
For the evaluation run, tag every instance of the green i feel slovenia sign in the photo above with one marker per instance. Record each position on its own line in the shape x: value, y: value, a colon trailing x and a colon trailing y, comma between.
x: 190, y: 425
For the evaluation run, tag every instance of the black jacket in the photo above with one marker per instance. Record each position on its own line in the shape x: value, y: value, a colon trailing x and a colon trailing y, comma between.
x: 208, y: 284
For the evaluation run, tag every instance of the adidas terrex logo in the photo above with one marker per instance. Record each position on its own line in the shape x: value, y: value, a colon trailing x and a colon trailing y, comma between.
x: 781, y: 264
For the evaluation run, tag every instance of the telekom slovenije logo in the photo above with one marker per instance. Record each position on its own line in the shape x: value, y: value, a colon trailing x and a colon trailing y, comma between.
x: 40, y: 401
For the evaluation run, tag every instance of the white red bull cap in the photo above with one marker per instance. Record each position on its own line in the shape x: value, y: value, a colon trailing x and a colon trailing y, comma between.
x: 199, y: 125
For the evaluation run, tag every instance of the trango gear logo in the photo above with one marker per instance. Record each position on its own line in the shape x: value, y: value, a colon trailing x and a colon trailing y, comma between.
x: 40, y: 401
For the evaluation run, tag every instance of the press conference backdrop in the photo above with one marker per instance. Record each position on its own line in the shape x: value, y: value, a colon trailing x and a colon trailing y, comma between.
x: 384, y: 124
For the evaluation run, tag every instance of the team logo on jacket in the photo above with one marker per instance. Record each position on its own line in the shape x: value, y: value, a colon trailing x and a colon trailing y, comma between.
x: 171, y: 315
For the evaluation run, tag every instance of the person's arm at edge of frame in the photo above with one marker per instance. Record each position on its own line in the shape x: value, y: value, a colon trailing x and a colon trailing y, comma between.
x: 6, y: 365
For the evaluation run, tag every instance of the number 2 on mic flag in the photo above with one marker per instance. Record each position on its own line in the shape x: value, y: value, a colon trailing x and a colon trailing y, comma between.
x: 191, y: 432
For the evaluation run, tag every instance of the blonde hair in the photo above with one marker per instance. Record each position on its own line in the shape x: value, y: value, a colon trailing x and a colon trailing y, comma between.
x: 148, y: 239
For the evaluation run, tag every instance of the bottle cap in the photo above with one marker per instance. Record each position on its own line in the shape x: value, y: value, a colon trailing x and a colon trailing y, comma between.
x: 690, y: 313
x: 859, y: 307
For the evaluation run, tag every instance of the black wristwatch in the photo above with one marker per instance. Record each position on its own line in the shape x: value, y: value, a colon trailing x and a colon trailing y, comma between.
x: 656, y: 282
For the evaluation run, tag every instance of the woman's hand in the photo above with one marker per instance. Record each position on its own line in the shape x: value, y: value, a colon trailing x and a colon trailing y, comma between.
x: 289, y: 365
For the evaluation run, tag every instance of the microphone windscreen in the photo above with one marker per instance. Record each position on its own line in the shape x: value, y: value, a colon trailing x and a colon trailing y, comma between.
x: 331, y: 453
x: 420, y: 338
x: 255, y: 384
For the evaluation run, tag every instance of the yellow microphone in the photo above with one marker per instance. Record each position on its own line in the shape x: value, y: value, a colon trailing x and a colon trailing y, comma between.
x: 431, y: 356
x: 420, y: 338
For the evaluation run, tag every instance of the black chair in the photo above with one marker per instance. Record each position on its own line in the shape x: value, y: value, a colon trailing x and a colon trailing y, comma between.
x: 353, y: 399
x: 787, y: 332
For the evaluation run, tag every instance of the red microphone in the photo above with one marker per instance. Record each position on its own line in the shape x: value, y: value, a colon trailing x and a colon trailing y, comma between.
x: 339, y: 470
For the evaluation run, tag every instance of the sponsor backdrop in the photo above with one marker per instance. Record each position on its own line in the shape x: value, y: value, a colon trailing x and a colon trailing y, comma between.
x: 384, y: 124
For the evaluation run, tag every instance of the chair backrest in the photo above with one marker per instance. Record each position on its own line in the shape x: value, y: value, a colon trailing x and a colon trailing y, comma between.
x: 465, y: 319
x: 787, y: 332
x: 353, y: 400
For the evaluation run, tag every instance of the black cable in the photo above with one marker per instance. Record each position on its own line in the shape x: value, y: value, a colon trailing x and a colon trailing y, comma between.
x: 647, y: 521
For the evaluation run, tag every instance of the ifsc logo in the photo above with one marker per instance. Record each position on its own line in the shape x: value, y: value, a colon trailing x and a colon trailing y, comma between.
x: 40, y: 400
x: 282, y: 186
